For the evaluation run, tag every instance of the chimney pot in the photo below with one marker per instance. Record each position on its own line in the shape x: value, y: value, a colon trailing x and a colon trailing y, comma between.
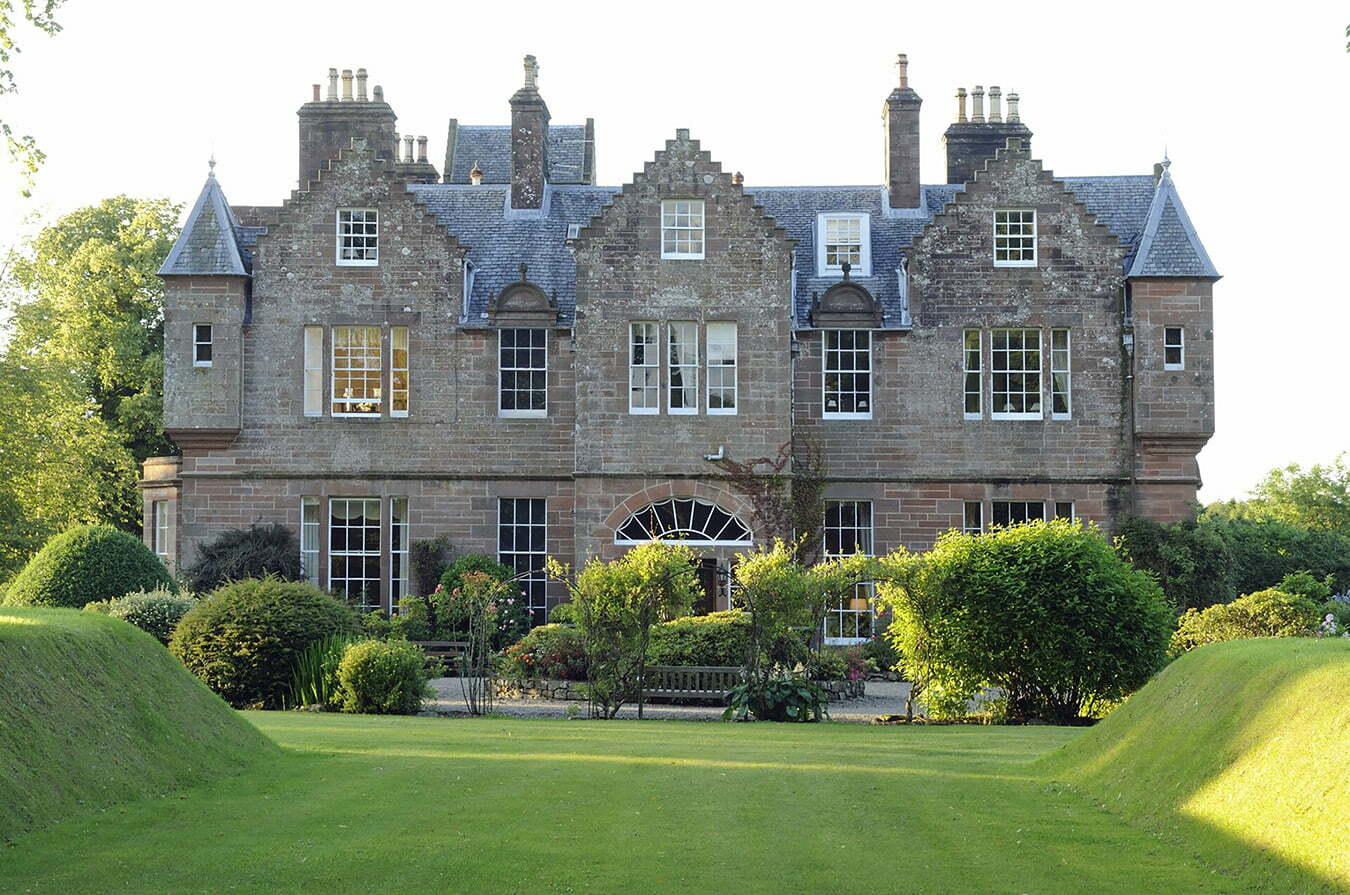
x: 346, y: 85
x: 902, y: 62
x: 476, y: 175
x: 977, y: 105
x: 408, y: 148
x: 316, y: 93
x: 995, y: 105
x: 531, y: 73
x: 361, y: 86
x: 378, y: 93
x: 422, y: 150
x: 1012, y: 108
x: 960, y: 105
x: 332, y: 85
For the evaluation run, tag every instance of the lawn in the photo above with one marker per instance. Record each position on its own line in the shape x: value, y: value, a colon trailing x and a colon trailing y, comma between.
x: 362, y: 804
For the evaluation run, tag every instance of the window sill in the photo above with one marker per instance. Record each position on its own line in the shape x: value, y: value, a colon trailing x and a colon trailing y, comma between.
x: 674, y: 257
x: 683, y: 411
x: 357, y: 416
x: 1016, y: 416
x: 341, y: 263
x: 721, y: 411
x: 972, y: 416
x: 202, y: 364
x: 1014, y: 263
x: 522, y: 414
x: 1174, y: 368
x: 846, y: 416
x: 1061, y: 416
x: 844, y: 641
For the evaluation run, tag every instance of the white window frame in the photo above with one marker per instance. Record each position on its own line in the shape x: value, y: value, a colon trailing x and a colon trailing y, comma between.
x: 313, y: 372
x: 400, y: 371
x: 198, y: 342
x: 644, y: 378
x: 671, y: 214
x: 372, y: 249
x: 400, y: 555
x: 972, y: 365
x: 532, y: 412
x: 717, y: 343
x: 1061, y: 364
x: 867, y: 537
x: 364, y: 554
x: 535, y: 587
x: 1022, y: 260
x: 826, y: 372
x: 378, y: 399
x: 1180, y: 346
x: 686, y: 368
x: 311, y: 524
x: 159, y: 529
x: 995, y: 371
x: 968, y: 525
x: 864, y: 266
x: 993, y: 506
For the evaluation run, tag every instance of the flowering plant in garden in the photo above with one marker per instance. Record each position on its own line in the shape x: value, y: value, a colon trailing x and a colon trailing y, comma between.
x: 549, y: 652
x: 476, y: 603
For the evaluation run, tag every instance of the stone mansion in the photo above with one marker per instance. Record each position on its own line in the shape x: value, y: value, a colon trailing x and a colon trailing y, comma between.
x: 506, y: 354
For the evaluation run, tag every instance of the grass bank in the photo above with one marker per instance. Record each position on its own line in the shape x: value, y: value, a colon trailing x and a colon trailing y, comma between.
x: 1237, y: 752
x: 94, y: 712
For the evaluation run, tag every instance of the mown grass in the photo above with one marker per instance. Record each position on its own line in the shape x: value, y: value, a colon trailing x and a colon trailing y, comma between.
x: 94, y: 712
x: 361, y: 804
x: 1245, y: 744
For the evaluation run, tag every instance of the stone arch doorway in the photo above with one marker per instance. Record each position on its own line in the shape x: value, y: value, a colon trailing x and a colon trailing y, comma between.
x: 714, y: 532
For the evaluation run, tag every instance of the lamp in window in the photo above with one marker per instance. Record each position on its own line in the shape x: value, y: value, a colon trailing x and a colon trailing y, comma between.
x: 862, y: 405
x: 858, y: 604
x: 831, y: 403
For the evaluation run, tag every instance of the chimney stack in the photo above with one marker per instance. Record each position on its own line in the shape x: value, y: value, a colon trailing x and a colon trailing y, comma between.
x: 327, y: 127
x: 971, y: 142
x: 316, y: 93
x: 900, y: 127
x: 422, y: 150
x: 529, y: 141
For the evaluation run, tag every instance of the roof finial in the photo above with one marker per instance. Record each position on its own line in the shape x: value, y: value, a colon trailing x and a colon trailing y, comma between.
x: 846, y: 267
x: 1166, y: 162
x: 211, y: 164
x: 523, y: 267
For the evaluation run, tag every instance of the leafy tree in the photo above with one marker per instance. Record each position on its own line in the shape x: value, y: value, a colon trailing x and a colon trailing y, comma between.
x: 1189, y: 560
x: 616, y: 604
x: 61, y: 465
x: 1317, y: 498
x: 1263, y: 551
x: 41, y: 14
x: 89, y: 301
x: 1045, y: 612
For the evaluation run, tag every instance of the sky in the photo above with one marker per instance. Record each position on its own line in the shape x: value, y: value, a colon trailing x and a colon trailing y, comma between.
x: 135, y: 96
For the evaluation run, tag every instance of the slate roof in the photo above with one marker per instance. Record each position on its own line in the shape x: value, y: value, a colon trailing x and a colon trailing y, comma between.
x: 1169, y: 245
x: 209, y: 242
x: 490, y: 147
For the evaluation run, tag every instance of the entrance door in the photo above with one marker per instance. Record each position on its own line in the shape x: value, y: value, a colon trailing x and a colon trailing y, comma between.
x: 707, y: 579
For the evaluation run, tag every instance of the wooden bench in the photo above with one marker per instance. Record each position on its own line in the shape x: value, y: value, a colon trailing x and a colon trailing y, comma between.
x: 448, y: 650
x: 691, y: 681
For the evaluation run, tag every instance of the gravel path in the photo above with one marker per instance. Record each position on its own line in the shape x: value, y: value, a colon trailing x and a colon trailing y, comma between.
x: 883, y: 698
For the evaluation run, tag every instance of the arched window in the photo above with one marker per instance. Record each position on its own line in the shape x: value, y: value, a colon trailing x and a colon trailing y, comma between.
x: 683, y: 519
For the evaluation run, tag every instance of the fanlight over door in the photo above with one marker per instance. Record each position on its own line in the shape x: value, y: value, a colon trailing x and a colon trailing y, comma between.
x: 684, y: 519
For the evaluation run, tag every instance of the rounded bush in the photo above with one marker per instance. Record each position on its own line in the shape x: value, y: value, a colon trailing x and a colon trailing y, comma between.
x: 551, y: 652
x: 379, y: 677
x: 252, y: 552
x: 156, y: 612
x: 85, y: 565
x: 243, y: 639
x: 1266, y: 613
x: 718, y: 638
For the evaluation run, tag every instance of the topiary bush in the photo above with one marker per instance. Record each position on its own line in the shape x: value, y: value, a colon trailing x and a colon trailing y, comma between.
x: 85, y: 565
x: 156, y: 612
x: 1266, y: 613
x: 379, y: 677
x: 244, y: 639
x: 253, y: 552
x: 718, y: 638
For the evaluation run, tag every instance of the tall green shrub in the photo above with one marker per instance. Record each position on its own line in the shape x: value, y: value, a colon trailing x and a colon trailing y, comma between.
x: 1046, y: 612
x: 379, y: 677
x: 243, y: 640
x: 1266, y: 613
x: 718, y: 638
x: 252, y: 552
x: 85, y: 565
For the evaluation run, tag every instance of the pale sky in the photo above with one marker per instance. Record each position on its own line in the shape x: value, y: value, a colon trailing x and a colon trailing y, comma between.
x: 135, y: 95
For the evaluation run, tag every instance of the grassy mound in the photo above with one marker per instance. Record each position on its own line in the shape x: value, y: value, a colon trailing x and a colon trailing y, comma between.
x: 94, y: 711
x: 1237, y: 751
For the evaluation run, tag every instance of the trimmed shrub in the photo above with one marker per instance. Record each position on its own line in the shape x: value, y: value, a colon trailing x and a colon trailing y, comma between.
x: 253, y: 552
x: 243, y: 640
x: 1266, y: 613
x: 85, y: 565
x: 382, y: 678
x: 156, y: 612
x: 563, y: 614
x: 718, y: 638
x: 551, y: 652
x: 1046, y: 612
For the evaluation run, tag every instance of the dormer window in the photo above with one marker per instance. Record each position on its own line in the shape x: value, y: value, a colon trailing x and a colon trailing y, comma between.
x: 1015, y: 238
x: 843, y: 238
x: 682, y: 228
x: 358, y: 237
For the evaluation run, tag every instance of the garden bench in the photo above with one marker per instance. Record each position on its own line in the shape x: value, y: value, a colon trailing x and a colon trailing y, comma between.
x: 449, y: 650
x: 691, y: 681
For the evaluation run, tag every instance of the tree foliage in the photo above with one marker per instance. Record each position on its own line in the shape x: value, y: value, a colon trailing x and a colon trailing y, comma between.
x: 1266, y: 613
x: 41, y: 14
x: 240, y: 553
x: 1316, y: 498
x: 1045, y: 612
